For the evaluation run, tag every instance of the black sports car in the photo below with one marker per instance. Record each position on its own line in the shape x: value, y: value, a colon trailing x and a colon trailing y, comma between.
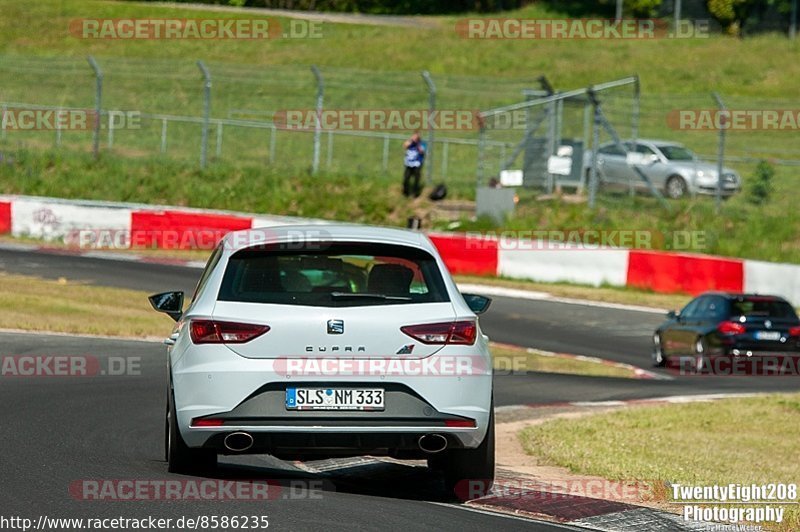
x: 720, y: 324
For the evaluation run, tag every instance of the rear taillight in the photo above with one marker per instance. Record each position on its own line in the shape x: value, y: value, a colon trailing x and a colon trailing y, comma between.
x: 207, y: 422
x: 730, y: 327
x: 794, y: 331
x: 224, y: 332
x: 451, y: 332
x: 470, y: 423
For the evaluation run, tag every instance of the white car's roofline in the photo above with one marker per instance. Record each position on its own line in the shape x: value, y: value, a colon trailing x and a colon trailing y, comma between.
x: 340, y: 232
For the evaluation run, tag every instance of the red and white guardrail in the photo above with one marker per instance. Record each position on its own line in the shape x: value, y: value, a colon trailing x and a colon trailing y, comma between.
x: 120, y: 224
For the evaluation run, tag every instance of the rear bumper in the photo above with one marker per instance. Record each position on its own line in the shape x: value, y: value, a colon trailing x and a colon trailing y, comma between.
x: 249, y: 395
x: 320, y: 444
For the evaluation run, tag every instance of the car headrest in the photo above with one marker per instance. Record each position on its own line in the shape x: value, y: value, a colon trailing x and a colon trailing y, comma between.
x: 390, y: 279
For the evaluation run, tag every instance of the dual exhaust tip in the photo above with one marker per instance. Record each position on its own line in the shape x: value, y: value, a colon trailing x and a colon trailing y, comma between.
x: 432, y: 443
x: 239, y: 442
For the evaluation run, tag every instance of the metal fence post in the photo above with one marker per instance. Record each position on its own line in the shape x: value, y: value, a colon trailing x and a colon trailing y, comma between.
x: 793, y: 20
x: 218, y: 151
x: 552, y: 115
x: 721, y: 150
x: 3, y: 122
x: 329, y: 162
x: 385, y: 153
x: 272, y: 140
x: 58, y: 131
x: 163, y: 135
x: 595, y: 142
x: 110, y: 130
x: 206, y: 112
x: 318, y: 125
x: 431, y: 113
x: 587, y: 125
x: 637, y: 95
x: 444, y: 159
x: 481, y: 149
x: 98, y: 102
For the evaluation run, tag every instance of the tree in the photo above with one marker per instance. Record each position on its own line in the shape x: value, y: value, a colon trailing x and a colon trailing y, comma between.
x: 643, y: 8
x: 761, y: 184
x: 732, y: 14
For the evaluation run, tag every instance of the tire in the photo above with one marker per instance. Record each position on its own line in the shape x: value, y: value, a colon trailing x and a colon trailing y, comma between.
x: 658, y: 354
x: 676, y: 187
x: 469, y: 473
x: 181, y: 458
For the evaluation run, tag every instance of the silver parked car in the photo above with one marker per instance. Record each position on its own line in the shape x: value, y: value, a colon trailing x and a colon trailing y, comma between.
x: 671, y: 167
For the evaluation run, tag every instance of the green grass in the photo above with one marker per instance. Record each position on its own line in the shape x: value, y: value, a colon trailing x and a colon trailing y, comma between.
x: 378, y: 67
x: 224, y: 186
x: 66, y: 306
x: 515, y: 359
x: 743, y: 441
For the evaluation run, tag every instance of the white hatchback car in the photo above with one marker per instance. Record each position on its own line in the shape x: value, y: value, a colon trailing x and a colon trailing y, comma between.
x: 307, y: 342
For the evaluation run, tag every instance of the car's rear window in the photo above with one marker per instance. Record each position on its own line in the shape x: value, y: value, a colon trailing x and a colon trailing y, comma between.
x: 768, y: 308
x: 333, y: 275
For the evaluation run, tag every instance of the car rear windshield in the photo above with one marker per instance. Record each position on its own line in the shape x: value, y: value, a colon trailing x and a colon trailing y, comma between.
x: 768, y: 308
x: 333, y: 275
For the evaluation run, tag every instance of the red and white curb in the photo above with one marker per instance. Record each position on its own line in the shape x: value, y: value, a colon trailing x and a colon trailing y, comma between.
x: 100, y: 223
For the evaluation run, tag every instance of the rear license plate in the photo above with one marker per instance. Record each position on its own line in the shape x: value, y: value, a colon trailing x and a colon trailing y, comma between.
x: 768, y: 335
x: 334, y: 399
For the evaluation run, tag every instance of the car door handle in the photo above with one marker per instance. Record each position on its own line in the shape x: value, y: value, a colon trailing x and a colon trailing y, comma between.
x: 171, y: 339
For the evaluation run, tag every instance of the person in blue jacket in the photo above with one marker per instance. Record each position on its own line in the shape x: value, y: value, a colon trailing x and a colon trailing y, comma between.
x: 415, y: 156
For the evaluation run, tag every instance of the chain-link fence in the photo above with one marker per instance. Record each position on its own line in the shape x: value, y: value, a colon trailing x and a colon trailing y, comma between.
x: 238, y: 114
x: 167, y: 101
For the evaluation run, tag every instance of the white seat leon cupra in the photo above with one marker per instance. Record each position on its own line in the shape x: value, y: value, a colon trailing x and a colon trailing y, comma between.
x: 311, y: 342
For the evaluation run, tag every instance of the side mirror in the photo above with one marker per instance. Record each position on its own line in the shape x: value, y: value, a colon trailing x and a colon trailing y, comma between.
x: 170, y: 303
x: 477, y: 304
x: 651, y: 159
x: 672, y: 315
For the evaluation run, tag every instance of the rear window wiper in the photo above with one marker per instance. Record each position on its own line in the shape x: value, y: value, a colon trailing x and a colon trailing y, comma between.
x: 367, y: 295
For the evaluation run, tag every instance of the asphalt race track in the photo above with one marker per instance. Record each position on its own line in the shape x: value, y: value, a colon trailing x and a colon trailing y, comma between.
x: 57, y: 431
x: 614, y: 334
x: 61, y: 430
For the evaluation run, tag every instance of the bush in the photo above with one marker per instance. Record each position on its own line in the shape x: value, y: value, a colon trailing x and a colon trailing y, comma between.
x: 761, y: 183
